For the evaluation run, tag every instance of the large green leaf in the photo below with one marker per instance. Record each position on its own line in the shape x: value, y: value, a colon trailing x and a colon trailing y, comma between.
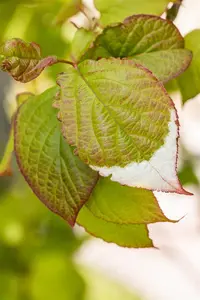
x: 116, y: 10
x: 48, y: 164
x: 124, y: 205
x: 125, y: 235
x: 121, y: 121
x: 189, y: 82
x: 154, y: 42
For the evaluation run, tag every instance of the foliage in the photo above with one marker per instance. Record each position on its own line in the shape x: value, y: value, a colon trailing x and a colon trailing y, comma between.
x: 97, y: 145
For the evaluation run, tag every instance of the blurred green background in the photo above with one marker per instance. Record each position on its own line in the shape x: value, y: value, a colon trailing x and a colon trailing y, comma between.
x: 37, y: 248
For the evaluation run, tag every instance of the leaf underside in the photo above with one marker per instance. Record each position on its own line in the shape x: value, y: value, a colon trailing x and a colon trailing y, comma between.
x: 57, y: 177
x: 149, y: 40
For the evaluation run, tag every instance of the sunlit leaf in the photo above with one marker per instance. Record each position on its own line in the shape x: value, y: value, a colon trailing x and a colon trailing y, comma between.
x: 148, y: 40
x: 23, y: 61
x: 124, y: 205
x: 57, y: 177
x: 121, y: 121
x: 125, y: 235
x: 5, y: 164
x: 81, y: 42
x: 189, y: 82
x: 116, y: 10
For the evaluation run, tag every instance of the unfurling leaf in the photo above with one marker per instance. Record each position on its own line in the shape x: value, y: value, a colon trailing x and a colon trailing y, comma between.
x: 55, y: 174
x: 23, y: 61
x: 149, y: 40
x: 116, y: 10
x: 121, y: 121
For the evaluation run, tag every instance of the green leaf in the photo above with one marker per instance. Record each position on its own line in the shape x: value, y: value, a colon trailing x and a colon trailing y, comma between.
x: 68, y: 9
x: 125, y: 235
x: 121, y: 121
x: 5, y: 164
x: 56, y: 176
x: 81, y: 42
x: 149, y: 40
x: 23, y: 61
x: 189, y: 82
x: 116, y: 10
x: 119, y: 204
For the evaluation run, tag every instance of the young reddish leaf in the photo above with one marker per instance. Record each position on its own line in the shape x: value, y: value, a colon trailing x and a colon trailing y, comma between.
x: 56, y: 176
x: 23, y: 61
x: 125, y: 235
x: 116, y: 10
x: 119, y: 204
x: 122, y: 122
x: 149, y: 40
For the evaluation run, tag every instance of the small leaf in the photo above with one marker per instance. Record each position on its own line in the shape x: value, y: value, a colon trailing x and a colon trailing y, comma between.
x: 122, y: 122
x: 81, y: 42
x: 22, y: 97
x: 5, y: 164
x: 116, y: 10
x: 148, y: 40
x: 119, y: 204
x: 189, y: 82
x: 56, y: 176
x: 23, y: 60
x: 68, y: 9
x: 125, y: 235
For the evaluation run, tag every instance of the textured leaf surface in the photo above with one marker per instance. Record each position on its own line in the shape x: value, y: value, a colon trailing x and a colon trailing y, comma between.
x: 121, y: 121
x: 125, y: 235
x: 23, y: 61
x: 116, y: 10
x: 189, y: 82
x: 124, y: 205
x: 149, y: 40
x: 57, y: 177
